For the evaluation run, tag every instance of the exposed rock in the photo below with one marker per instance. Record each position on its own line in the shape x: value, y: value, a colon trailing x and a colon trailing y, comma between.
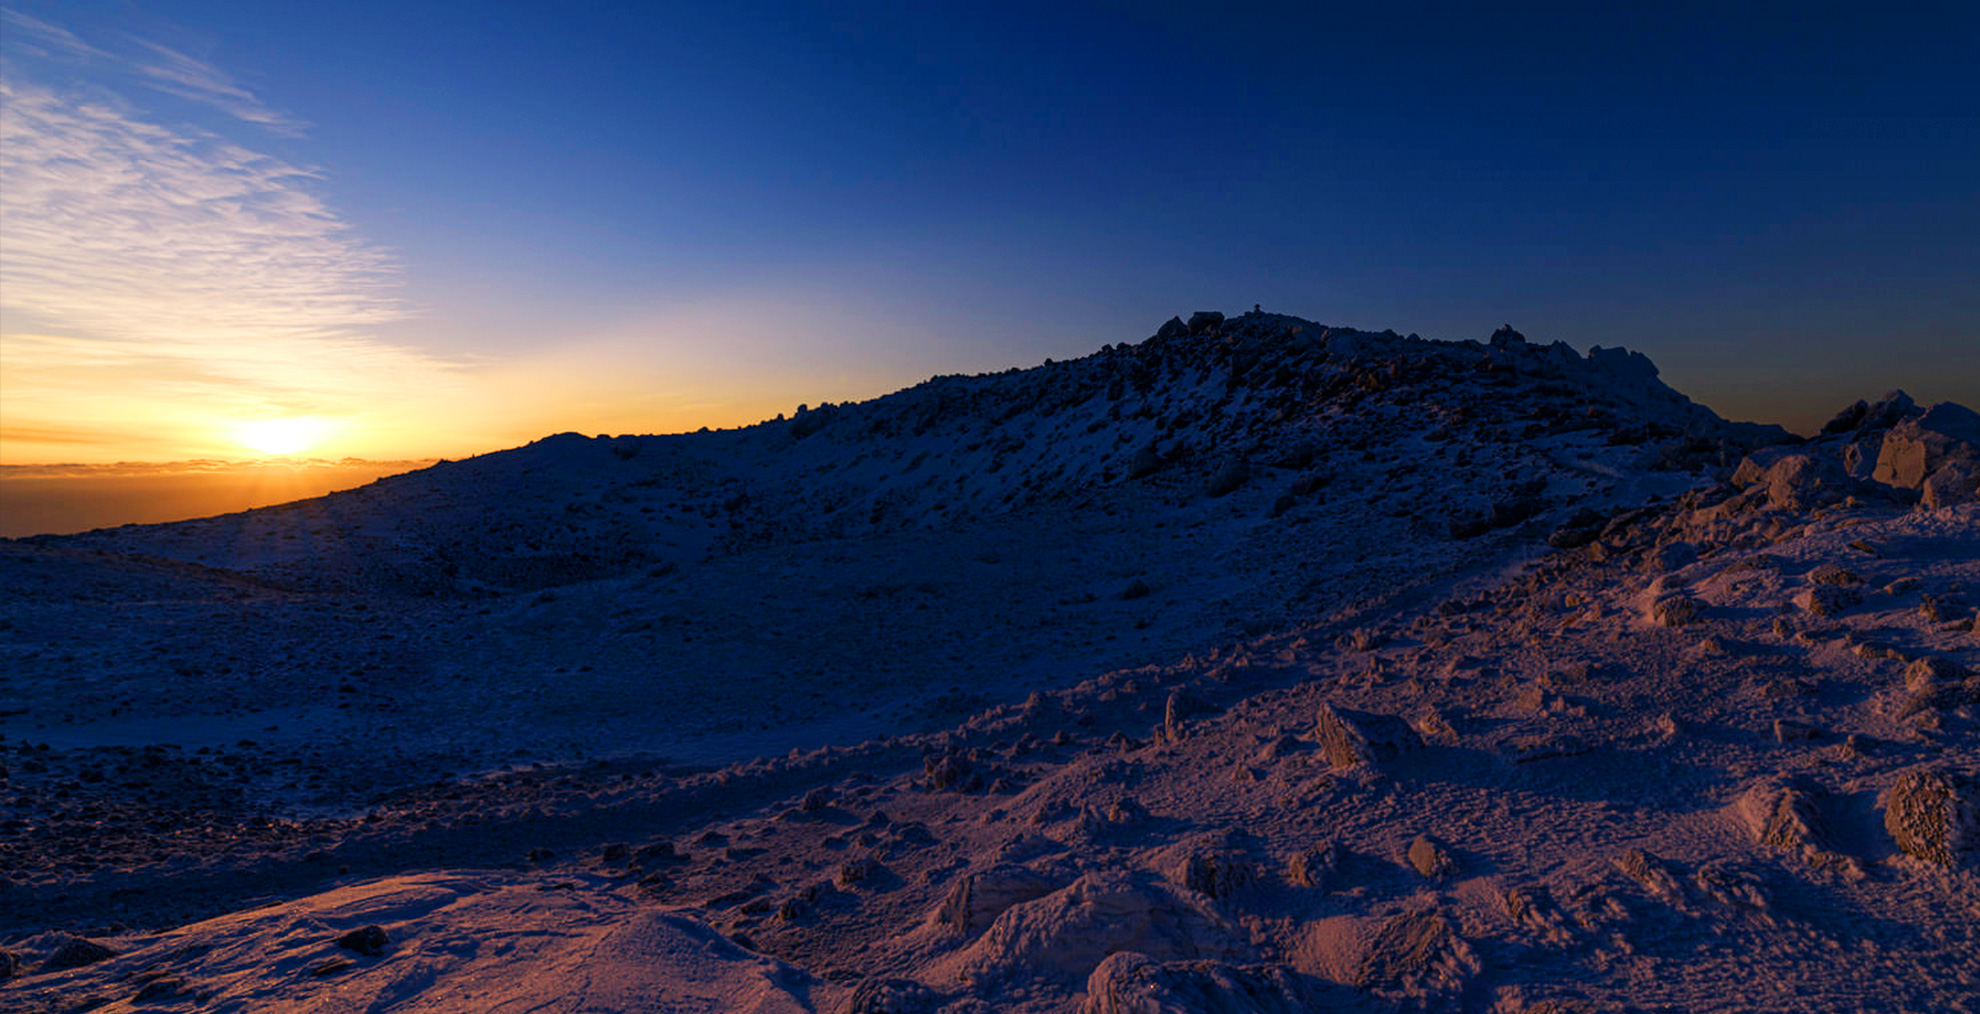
x: 1205, y: 322
x: 951, y: 772
x: 1827, y: 600
x: 1794, y: 479
x: 75, y: 952
x: 1651, y: 872
x: 1918, y: 447
x: 1315, y: 867
x: 1431, y: 859
x: 1781, y: 816
x: 1675, y: 611
x: 1416, y: 949
x: 658, y: 853
x: 1182, y: 705
x: 1951, y: 484
x: 1349, y: 737
x: 1146, y: 462
x: 1132, y: 983
x: 1228, y: 479
x: 1175, y: 328
x: 979, y: 898
x: 890, y: 996
x: 369, y: 941
x: 1930, y: 814
x: 1931, y: 671
x: 1062, y: 936
x: 1842, y: 422
x: 855, y: 871
x: 1211, y: 866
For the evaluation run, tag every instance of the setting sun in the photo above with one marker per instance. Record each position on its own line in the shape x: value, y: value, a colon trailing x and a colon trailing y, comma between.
x: 283, y: 436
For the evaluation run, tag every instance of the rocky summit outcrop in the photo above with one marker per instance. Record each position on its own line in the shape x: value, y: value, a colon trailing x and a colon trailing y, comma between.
x: 1936, y: 452
x: 1888, y: 450
x: 1210, y: 405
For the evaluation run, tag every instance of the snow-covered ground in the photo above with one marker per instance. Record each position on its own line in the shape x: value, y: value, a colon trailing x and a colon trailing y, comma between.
x: 1268, y: 668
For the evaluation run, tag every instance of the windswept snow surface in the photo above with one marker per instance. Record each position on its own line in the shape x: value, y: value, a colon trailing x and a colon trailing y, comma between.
x: 1269, y: 667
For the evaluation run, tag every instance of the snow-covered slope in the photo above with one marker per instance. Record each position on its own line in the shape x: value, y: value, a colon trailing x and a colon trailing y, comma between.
x: 1265, y: 668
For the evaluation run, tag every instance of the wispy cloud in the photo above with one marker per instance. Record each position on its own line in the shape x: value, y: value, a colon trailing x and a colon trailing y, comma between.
x: 171, y: 265
x: 175, y: 73
x: 155, y: 66
x: 51, y: 40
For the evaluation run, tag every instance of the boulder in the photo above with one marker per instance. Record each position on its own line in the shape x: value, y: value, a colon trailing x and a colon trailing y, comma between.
x: 76, y: 952
x: 1781, y: 816
x: 1228, y: 478
x: 1348, y: 737
x: 1205, y: 322
x: 1843, y: 421
x: 1951, y: 484
x: 979, y: 898
x: 1175, y: 328
x: 890, y: 996
x: 1211, y: 865
x: 1827, y: 600
x: 1919, y: 446
x: 1931, y: 671
x: 1675, y: 611
x: 1887, y: 411
x: 1418, y: 944
x: 1315, y: 867
x: 1132, y: 983
x: 1430, y: 859
x: 369, y: 941
x: 1929, y: 813
x: 1063, y: 935
x: 1794, y: 479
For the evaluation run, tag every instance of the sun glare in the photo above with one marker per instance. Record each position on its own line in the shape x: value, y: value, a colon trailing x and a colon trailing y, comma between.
x: 283, y: 436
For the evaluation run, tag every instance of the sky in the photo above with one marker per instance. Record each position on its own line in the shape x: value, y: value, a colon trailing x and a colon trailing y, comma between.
x: 406, y: 231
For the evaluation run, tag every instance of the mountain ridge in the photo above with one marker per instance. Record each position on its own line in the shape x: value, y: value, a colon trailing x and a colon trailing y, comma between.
x: 1243, y: 669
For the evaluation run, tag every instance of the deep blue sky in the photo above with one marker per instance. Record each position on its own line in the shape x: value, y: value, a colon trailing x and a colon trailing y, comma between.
x: 1777, y: 202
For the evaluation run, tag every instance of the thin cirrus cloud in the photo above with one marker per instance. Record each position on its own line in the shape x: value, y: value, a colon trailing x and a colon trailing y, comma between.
x: 167, y: 266
x: 50, y: 39
x: 159, y: 67
x: 175, y: 73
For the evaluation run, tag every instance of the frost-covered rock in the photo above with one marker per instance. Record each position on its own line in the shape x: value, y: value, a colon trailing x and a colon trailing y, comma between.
x: 1063, y: 935
x: 890, y: 996
x: 75, y: 952
x: 1132, y: 983
x: 1930, y: 813
x: 1782, y: 816
x: 980, y: 897
x: 1349, y: 737
x: 1794, y: 479
x: 1430, y: 859
x: 1945, y: 437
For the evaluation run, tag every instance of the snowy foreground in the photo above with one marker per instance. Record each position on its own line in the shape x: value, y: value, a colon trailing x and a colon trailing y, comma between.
x: 1256, y: 667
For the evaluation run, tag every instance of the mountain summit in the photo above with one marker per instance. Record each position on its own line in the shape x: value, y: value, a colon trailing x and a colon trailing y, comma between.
x: 1259, y: 666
